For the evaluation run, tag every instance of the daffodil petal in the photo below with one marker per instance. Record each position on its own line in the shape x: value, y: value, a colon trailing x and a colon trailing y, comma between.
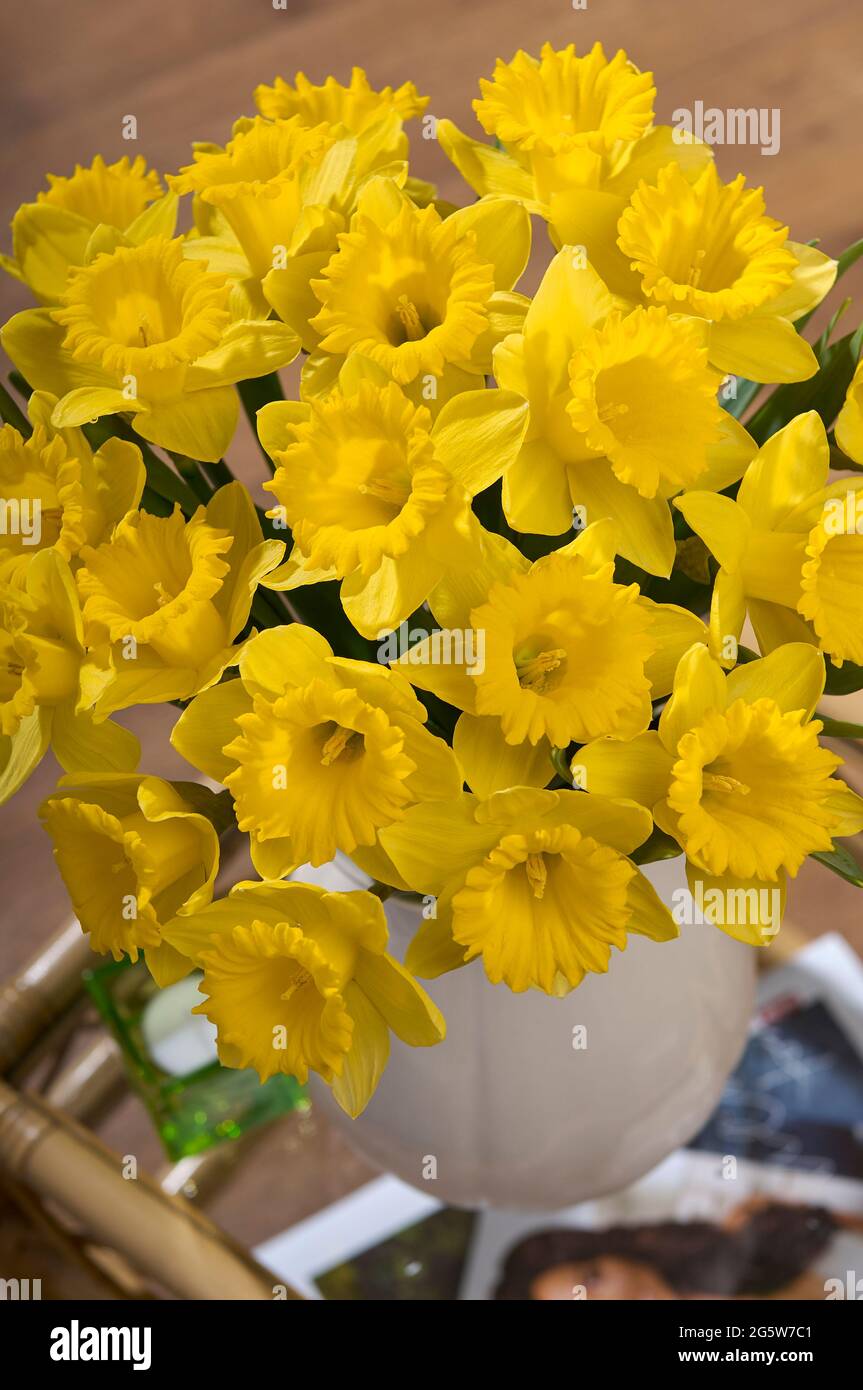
x: 208, y: 725
x: 729, y: 457
x: 675, y: 629
x: 433, y: 951
x: 725, y: 900
x: 502, y: 230
x: 280, y: 658
x: 47, y: 240
x: 89, y: 403
x: 699, y: 686
x: 616, y: 821
x: 774, y: 625
x: 436, y: 841
x: 847, y: 806
x: 21, y: 752
x: 639, y: 769
x: 166, y: 965
x: 792, y: 675
x: 761, y: 348
x: 274, y: 422
x: 536, y: 492
x: 247, y: 349
x: 571, y: 299
x: 377, y: 603
x: 35, y: 344
x: 727, y: 616
x: 487, y: 169
x: 159, y: 219
x: 587, y: 218
x: 793, y: 464
x: 80, y: 744
x: 491, y: 764
x: 650, y: 916
x: 812, y: 279
x: 401, y: 1002
x: 448, y: 680
x: 478, y: 434
x: 722, y: 525
x: 200, y: 425
x: 645, y: 531
x: 364, y: 1063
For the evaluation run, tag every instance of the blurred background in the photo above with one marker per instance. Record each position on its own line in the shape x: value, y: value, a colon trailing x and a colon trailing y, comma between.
x: 186, y: 71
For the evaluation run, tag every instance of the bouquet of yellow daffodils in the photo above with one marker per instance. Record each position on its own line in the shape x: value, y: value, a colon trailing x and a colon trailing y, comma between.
x: 485, y: 635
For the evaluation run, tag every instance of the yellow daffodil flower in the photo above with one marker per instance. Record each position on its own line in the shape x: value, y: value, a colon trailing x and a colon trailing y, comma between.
x: 574, y: 138
x: 623, y: 414
x: 790, y: 549
x: 318, y: 752
x: 537, y: 883
x: 169, y: 596
x: 849, y: 422
x: 61, y: 495
x: 377, y: 494
x: 424, y: 296
x: 54, y: 234
x: 142, y: 330
x: 49, y: 683
x: 540, y: 655
x: 270, y: 205
x: 379, y: 117
x: 708, y: 249
x: 133, y: 852
x: 357, y: 106
x: 736, y: 775
x: 300, y: 980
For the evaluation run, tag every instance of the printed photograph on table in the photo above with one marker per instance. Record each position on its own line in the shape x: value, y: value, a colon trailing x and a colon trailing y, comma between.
x: 431, y: 695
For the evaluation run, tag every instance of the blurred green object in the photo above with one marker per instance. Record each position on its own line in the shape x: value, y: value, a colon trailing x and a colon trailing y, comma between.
x: 170, y: 1059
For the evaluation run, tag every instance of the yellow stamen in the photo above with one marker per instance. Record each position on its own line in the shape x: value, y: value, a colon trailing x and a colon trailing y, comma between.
x: 537, y: 874
x: 697, y: 270
x: 716, y: 782
x: 410, y: 319
x: 337, y: 743
x: 534, y: 674
x: 607, y: 413
x: 386, y: 490
x: 301, y: 978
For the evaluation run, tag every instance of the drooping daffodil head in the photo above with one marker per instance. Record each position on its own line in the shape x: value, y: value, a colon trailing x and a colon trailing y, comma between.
x: 49, y: 681
x: 133, y: 852
x: 298, y: 979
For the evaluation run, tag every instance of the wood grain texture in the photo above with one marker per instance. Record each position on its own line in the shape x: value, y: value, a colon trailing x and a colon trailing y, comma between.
x: 187, y: 69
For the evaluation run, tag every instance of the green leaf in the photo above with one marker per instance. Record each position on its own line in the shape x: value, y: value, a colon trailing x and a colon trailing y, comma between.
x: 844, y: 679
x: 13, y: 415
x: 745, y: 393
x: 840, y: 862
x: 657, y: 846
x: 839, y: 728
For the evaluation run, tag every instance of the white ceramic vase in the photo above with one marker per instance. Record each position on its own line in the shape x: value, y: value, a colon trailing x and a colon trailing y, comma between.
x: 512, y: 1111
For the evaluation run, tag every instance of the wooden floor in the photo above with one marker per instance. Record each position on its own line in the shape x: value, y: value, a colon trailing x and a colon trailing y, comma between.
x: 186, y: 68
